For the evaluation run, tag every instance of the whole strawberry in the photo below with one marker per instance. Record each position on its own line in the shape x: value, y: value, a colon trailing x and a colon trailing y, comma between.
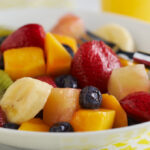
x: 27, y: 36
x: 137, y: 105
x: 48, y: 80
x: 93, y: 64
x: 2, y: 118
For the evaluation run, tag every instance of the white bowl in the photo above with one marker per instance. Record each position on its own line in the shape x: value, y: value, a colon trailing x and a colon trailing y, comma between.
x: 74, y: 141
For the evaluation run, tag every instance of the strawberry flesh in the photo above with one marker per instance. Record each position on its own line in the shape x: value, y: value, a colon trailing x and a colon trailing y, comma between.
x: 93, y: 64
x: 137, y: 105
x: 48, y: 80
x: 30, y: 35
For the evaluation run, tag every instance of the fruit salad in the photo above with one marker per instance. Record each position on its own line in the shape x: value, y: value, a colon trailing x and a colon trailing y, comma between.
x: 70, y: 79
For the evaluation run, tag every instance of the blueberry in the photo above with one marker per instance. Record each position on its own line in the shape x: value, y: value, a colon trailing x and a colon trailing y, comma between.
x: 1, y: 62
x: 66, y: 81
x: 39, y: 115
x: 61, y: 127
x: 90, y: 98
x: 10, y: 126
x: 131, y: 121
x: 2, y: 38
x: 69, y: 50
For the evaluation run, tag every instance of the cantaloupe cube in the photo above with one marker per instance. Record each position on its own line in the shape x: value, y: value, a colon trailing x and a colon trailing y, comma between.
x: 24, y: 62
x: 110, y: 102
x: 93, y: 120
x: 61, y: 105
x: 34, y: 124
x: 63, y: 39
x: 58, y: 59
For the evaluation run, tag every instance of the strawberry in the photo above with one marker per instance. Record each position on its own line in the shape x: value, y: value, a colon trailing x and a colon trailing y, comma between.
x: 48, y: 80
x: 70, y: 25
x: 137, y: 105
x: 27, y: 36
x: 93, y: 64
x: 2, y: 118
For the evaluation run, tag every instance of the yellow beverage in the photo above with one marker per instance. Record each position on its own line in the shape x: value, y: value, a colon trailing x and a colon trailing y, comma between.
x: 135, y: 8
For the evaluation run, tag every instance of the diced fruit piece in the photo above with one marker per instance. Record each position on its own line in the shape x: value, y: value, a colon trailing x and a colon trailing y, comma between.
x: 110, y: 102
x: 117, y: 34
x: 66, y: 81
x: 69, y: 50
x: 47, y: 79
x: 24, y: 62
x: 35, y: 124
x: 3, y: 119
x: 58, y: 59
x: 67, y: 40
x: 61, y: 105
x: 137, y: 105
x: 125, y: 62
x: 93, y: 64
x: 11, y: 126
x: 5, y: 82
x: 30, y: 35
x: 93, y: 120
x: 90, y: 98
x: 126, y: 80
x: 24, y: 99
x: 61, y: 127
x: 69, y: 25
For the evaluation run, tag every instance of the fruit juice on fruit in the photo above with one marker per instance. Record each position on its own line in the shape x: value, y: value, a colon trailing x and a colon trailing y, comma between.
x: 135, y: 8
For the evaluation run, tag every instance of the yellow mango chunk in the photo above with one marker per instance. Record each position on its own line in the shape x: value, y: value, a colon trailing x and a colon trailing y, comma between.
x: 35, y: 124
x: 93, y: 120
x: 67, y: 40
x: 24, y: 62
x: 58, y: 59
x: 110, y: 102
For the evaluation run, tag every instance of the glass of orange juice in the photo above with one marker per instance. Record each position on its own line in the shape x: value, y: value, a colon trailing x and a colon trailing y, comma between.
x: 135, y: 8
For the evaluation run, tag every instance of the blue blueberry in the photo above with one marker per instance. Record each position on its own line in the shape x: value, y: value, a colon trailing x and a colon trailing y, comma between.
x: 90, y: 98
x: 61, y: 127
x: 69, y: 50
x: 131, y: 121
x: 11, y: 126
x: 66, y: 81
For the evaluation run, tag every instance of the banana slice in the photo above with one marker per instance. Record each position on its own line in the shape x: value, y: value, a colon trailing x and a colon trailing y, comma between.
x: 117, y: 34
x: 24, y: 99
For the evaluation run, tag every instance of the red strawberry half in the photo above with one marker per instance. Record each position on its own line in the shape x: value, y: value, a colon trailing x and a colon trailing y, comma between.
x: 2, y: 118
x: 48, y: 80
x: 26, y: 36
x: 137, y: 105
x: 93, y: 64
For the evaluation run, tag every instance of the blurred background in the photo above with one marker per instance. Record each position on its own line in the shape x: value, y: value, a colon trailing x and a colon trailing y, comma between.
x: 134, y: 8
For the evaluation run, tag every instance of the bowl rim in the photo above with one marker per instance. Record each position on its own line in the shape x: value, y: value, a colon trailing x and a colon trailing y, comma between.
x: 87, y: 133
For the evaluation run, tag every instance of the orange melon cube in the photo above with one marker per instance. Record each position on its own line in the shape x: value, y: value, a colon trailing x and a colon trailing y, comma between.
x: 110, y: 102
x: 93, y: 120
x: 61, y: 105
x: 67, y: 40
x: 35, y: 124
x: 24, y: 62
x: 58, y: 59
